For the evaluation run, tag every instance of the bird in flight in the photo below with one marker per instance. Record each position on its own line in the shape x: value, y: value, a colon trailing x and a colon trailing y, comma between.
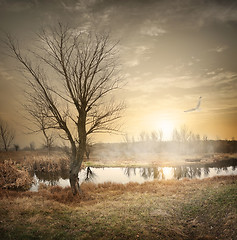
x: 196, y: 108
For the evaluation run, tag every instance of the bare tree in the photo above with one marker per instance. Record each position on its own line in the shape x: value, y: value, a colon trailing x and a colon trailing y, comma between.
x: 6, y: 136
x: 17, y: 147
x: 154, y: 136
x: 49, y: 139
x: 143, y: 136
x: 176, y: 135
x: 89, y: 144
x: 72, y: 74
x: 157, y: 135
x: 32, y: 146
x: 183, y: 135
x: 161, y: 135
x: 39, y: 117
x: 204, y: 137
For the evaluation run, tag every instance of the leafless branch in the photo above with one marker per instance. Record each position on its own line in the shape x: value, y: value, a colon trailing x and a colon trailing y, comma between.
x: 71, y: 76
x: 7, y: 136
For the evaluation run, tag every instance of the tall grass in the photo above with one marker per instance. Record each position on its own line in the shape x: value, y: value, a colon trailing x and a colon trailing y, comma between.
x: 39, y: 161
x: 46, y: 164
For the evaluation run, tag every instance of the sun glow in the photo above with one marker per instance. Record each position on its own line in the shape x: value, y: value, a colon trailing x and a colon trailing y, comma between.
x: 167, y: 127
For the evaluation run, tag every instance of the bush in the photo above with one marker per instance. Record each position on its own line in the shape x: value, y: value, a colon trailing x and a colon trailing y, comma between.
x: 13, y: 176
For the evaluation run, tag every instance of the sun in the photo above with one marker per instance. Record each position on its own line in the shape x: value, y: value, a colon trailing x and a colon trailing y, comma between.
x: 167, y: 127
x: 163, y: 123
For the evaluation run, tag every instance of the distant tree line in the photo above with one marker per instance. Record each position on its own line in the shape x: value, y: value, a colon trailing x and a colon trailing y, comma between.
x: 177, y: 147
x: 183, y: 141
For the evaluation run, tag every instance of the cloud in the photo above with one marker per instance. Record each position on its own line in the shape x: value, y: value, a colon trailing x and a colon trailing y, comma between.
x: 135, y: 54
x: 152, y: 29
x: 16, y: 6
x: 219, y: 49
x: 133, y: 62
x: 141, y: 49
x: 172, y: 51
x: 177, y: 14
x: 224, y: 13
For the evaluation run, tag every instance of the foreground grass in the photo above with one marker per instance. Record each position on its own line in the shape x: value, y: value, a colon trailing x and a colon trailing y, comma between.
x: 187, y: 209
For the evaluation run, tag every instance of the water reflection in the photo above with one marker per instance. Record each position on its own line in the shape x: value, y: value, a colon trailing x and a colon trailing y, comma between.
x: 90, y: 175
x: 140, y: 175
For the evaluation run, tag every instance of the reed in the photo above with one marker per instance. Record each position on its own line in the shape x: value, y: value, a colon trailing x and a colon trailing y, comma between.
x: 44, y: 163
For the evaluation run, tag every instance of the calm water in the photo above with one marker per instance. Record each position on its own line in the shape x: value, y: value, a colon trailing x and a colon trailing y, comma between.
x: 139, y: 175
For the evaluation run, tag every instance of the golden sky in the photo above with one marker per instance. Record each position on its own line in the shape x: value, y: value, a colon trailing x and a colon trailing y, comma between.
x: 172, y: 52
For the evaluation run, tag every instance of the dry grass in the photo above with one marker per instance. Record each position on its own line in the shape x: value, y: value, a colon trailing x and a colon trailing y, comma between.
x: 187, y: 209
x: 172, y: 209
x: 47, y: 164
x: 38, y: 161
x: 94, y: 193
x: 13, y: 176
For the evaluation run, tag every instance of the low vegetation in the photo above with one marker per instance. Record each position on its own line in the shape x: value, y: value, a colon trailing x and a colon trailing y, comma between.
x: 171, y: 209
x: 39, y: 161
x: 47, y: 164
x: 13, y: 176
x: 187, y: 209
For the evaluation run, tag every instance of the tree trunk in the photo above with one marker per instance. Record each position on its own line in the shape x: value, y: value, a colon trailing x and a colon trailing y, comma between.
x: 74, y: 180
x: 75, y: 167
x: 78, y: 154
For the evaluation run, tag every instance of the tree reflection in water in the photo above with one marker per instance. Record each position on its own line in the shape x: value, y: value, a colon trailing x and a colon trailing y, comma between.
x: 129, y: 171
x: 51, y: 178
x: 188, y: 171
x: 90, y: 175
x: 125, y: 175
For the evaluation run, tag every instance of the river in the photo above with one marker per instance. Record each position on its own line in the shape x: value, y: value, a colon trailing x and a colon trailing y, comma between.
x: 137, y: 174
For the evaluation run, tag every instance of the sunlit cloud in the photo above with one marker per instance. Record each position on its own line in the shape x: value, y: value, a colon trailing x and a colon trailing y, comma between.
x: 136, y: 55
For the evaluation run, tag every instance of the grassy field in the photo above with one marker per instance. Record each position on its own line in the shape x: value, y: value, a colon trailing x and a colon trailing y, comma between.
x: 187, y: 209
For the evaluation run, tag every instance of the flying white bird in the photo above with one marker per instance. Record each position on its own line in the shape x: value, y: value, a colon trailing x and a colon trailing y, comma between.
x: 196, y: 108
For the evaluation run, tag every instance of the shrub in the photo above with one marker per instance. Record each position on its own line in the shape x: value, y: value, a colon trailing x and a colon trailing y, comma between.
x: 13, y: 176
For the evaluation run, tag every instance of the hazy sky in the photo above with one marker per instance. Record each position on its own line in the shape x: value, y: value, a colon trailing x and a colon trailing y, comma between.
x: 172, y: 53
